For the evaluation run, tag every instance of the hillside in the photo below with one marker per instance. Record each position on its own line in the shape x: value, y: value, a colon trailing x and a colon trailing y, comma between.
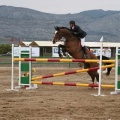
x: 30, y: 25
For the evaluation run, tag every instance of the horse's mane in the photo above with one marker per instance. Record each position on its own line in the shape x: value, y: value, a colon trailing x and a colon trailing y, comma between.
x: 65, y: 28
x: 68, y: 30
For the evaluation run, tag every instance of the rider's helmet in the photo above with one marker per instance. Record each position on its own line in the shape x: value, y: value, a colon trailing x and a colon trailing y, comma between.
x: 72, y: 22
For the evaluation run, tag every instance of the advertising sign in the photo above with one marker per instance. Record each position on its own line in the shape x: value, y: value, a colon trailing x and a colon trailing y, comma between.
x: 105, y: 52
x: 35, y: 51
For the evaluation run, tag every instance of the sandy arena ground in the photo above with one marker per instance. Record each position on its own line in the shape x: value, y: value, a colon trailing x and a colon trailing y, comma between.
x: 57, y: 102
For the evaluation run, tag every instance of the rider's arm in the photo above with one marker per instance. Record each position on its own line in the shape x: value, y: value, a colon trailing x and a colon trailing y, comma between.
x: 80, y: 32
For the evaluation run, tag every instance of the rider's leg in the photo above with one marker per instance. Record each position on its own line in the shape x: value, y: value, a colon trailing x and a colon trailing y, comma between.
x: 83, y: 42
x: 83, y: 46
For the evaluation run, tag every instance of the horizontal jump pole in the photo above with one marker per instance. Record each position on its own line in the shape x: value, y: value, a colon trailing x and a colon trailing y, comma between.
x: 61, y: 60
x: 71, y: 72
x: 72, y: 84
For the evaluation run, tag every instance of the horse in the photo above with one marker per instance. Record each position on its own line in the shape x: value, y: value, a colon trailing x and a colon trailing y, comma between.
x: 72, y: 45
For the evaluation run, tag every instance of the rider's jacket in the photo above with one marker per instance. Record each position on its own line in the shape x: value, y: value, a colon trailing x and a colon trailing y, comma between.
x: 78, y: 31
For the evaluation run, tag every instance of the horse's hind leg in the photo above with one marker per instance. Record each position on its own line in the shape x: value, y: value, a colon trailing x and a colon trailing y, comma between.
x: 93, y: 76
x: 97, y: 78
x: 108, y: 71
x: 93, y: 79
x: 87, y: 65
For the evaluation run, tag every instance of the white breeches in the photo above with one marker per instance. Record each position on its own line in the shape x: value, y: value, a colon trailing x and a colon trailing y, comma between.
x: 83, y: 42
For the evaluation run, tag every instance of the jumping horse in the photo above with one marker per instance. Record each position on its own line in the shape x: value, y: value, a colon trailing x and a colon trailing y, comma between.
x: 72, y: 45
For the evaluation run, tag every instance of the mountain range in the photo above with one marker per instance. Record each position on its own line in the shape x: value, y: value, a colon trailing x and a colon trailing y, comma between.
x: 30, y: 25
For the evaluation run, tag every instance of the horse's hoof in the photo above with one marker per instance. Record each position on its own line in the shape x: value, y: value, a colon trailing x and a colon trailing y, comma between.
x: 85, y: 56
x: 60, y: 56
x: 107, y: 74
x: 95, y: 88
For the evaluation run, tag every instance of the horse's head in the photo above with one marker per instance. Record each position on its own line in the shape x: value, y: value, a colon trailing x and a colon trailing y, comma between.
x: 58, y: 35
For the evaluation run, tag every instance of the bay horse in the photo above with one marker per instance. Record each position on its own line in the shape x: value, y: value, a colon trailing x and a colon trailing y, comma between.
x: 72, y: 45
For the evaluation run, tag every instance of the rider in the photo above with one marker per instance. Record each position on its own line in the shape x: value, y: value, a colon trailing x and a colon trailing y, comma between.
x: 80, y: 33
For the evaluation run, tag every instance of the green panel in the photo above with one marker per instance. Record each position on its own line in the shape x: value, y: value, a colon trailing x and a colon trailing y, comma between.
x: 118, y: 56
x: 118, y: 53
x: 25, y: 67
x: 118, y: 86
x: 24, y: 80
x: 118, y: 70
x: 25, y: 54
x: 25, y: 51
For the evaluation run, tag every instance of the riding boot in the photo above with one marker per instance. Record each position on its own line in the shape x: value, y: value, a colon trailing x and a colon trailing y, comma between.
x: 84, y: 51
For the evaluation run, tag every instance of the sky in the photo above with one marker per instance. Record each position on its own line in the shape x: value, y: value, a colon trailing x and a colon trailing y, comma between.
x: 64, y: 6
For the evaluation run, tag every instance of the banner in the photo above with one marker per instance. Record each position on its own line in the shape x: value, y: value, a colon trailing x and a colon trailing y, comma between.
x: 35, y: 51
x: 105, y: 52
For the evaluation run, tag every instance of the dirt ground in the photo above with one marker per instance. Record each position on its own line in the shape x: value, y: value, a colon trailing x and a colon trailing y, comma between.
x: 50, y: 102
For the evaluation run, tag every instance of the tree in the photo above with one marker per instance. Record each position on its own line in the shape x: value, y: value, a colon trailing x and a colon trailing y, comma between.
x: 5, y: 48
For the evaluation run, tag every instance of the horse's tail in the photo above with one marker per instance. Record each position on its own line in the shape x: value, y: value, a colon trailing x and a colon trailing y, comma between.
x: 108, y: 69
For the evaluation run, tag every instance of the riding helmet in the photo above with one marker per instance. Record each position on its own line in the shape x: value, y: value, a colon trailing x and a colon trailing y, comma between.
x: 72, y: 22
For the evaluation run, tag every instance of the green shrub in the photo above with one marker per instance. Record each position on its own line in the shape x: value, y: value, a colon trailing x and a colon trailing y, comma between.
x: 5, y: 48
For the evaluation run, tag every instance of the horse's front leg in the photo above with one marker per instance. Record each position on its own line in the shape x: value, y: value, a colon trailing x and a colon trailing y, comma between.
x: 60, y: 46
x: 63, y: 50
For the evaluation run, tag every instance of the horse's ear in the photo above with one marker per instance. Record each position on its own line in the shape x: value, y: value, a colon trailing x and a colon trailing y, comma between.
x: 56, y: 28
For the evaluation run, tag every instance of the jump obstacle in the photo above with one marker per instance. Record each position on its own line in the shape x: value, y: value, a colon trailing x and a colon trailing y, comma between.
x: 72, y: 84
x: 61, y: 60
x: 71, y: 72
x: 22, y: 81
